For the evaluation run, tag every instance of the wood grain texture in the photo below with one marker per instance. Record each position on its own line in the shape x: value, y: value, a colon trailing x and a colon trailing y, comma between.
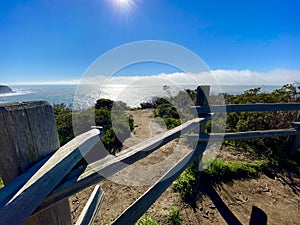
x: 46, y: 178
x: 106, y: 167
x: 12, y: 188
x: 28, y: 134
x: 267, y: 107
x: 91, y: 208
x: 142, y: 204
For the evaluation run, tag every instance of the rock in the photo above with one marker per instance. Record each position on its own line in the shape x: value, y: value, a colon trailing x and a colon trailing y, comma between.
x: 5, y: 89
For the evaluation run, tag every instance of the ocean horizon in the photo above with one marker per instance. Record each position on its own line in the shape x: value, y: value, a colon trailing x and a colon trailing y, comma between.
x: 84, y: 97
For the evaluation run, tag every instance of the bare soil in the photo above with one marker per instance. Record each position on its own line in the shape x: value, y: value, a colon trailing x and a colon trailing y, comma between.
x: 274, y: 198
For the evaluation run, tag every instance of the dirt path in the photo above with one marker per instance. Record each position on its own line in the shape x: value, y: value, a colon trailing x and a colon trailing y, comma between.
x: 126, y: 186
x: 277, y: 199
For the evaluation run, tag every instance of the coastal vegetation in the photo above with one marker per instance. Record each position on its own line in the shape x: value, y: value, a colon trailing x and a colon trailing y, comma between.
x: 173, y: 110
x: 63, y: 119
x: 1, y: 182
x: 110, y: 115
x: 267, y: 155
x: 272, y: 149
x: 174, y: 217
x: 147, y: 220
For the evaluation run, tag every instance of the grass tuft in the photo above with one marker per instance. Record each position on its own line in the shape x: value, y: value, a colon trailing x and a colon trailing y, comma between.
x: 174, y: 217
x: 187, y: 184
x: 146, y: 220
x: 220, y: 169
x: 1, y: 183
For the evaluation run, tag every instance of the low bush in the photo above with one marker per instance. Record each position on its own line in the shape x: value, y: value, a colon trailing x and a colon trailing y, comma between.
x: 63, y: 119
x: 174, y: 217
x: 221, y: 170
x: 270, y: 148
x: 1, y: 183
x: 146, y: 220
x: 110, y: 115
x: 185, y: 184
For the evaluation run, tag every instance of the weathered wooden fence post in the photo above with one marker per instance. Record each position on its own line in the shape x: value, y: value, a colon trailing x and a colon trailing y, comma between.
x: 202, y: 96
x: 27, y: 134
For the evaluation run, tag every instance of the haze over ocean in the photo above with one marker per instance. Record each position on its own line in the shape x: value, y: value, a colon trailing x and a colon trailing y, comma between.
x: 132, y: 95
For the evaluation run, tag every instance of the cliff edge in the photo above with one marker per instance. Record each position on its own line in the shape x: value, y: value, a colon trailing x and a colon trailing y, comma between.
x: 5, y: 89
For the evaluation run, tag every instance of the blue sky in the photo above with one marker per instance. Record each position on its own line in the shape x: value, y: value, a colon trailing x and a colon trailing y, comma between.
x: 56, y: 40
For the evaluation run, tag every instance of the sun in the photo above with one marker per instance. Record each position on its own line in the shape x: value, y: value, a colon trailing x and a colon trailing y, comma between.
x: 121, y: 2
x: 124, y: 3
x: 124, y: 8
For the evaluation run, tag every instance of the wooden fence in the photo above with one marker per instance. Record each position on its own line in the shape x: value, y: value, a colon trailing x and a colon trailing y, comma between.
x: 39, y: 175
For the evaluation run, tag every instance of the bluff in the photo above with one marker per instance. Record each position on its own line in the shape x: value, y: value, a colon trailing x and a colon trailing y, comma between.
x: 5, y: 89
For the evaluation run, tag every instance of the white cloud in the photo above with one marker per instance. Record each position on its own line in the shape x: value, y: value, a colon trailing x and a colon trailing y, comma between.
x: 248, y: 77
x: 221, y: 77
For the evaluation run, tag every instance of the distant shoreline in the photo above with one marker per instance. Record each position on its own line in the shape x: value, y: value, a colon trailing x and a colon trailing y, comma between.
x: 131, y: 95
x: 5, y: 89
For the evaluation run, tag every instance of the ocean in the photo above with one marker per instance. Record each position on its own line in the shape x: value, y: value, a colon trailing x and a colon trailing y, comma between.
x: 85, y: 97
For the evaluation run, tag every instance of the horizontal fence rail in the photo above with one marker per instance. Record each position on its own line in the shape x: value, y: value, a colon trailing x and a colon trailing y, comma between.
x: 259, y: 107
x: 244, y: 135
x: 108, y: 166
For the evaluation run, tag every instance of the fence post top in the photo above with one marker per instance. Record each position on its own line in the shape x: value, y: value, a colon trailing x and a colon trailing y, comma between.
x: 4, y: 107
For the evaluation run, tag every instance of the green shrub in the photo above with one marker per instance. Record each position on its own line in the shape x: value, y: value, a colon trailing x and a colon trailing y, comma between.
x: 174, y: 217
x: 63, y: 119
x: 146, y: 220
x: 148, y: 105
x: 104, y: 104
x: 221, y: 169
x: 271, y: 148
x: 172, y: 109
x: 185, y: 183
x: 171, y: 122
x: 166, y: 111
x: 1, y: 183
x: 110, y: 115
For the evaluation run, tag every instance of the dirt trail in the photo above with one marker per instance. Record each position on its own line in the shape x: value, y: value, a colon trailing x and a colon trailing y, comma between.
x: 232, y: 203
x: 126, y: 186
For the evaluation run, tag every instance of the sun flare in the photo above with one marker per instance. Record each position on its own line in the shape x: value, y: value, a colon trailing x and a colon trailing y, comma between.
x: 123, y: 1
x: 124, y: 8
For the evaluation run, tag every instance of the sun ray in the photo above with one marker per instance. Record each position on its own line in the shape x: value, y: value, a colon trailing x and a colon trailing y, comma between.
x: 124, y: 8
